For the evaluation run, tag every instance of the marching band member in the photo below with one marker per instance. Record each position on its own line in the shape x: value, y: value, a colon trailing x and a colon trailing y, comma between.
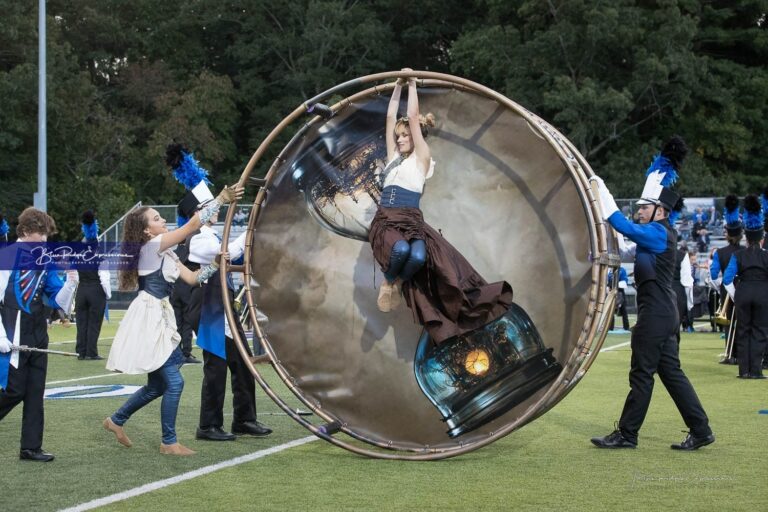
x: 734, y: 232
x: 750, y: 293
x: 23, y: 322
x: 91, y: 298
x: 655, y: 337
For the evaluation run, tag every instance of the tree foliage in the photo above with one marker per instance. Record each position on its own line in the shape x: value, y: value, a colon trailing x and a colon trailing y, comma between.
x: 125, y: 78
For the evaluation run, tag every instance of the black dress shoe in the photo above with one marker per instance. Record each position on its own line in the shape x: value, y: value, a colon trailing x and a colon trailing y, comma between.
x: 729, y: 360
x: 214, y: 434
x: 81, y: 357
x: 36, y: 455
x: 692, y: 442
x: 758, y: 376
x: 192, y: 360
x: 613, y: 440
x: 94, y: 358
x: 251, y: 428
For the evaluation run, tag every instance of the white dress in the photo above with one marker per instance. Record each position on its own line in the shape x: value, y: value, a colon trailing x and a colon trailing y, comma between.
x: 147, y: 334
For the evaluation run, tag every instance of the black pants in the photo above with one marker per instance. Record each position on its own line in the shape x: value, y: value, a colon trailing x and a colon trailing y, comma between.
x: 751, y: 325
x: 215, y: 386
x: 27, y: 384
x: 682, y: 305
x: 180, y: 299
x: 655, y: 348
x: 90, y: 303
x: 621, y: 309
x: 712, y: 303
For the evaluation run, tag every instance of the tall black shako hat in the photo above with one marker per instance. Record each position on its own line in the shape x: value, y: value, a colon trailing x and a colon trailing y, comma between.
x: 731, y: 216
x: 188, y: 172
x: 662, y: 174
x: 753, y: 218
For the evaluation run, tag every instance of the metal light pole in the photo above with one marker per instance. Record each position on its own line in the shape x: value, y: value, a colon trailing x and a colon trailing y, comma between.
x: 41, y: 196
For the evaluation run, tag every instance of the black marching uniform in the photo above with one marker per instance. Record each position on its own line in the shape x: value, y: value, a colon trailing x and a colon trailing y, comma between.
x: 219, y: 350
x: 655, y: 339
x: 90, y: 303
x: 22, y: 293
x: 180, y: 300
x: 751, y: 302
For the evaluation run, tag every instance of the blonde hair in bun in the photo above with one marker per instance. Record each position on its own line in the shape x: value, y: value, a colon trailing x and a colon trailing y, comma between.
x: 425, y: 122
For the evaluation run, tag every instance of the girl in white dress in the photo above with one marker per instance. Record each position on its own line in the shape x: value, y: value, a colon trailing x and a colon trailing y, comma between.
x: 147, y: 340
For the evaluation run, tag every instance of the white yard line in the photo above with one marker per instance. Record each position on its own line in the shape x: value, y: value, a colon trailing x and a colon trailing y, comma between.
x: 112, y: 374
x: 614, y: 347
x: 160, y: 484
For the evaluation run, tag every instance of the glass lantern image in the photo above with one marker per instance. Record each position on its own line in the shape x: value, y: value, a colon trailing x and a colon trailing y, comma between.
x: 476, y: 377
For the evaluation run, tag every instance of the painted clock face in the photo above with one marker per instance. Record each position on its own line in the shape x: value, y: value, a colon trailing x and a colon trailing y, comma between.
x: 500, y: 194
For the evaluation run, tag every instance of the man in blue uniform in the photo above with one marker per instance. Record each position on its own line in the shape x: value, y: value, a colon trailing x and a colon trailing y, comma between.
x: 23, y: 322
x: 655, y: 337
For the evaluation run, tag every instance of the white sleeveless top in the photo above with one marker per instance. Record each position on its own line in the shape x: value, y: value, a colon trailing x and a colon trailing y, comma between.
x: 408, y: 175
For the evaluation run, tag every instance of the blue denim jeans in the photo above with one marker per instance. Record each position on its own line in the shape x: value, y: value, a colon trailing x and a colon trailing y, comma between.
x: 167, y: 382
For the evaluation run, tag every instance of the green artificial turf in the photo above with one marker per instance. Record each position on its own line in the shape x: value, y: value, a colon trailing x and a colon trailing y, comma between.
x: 547, y: 465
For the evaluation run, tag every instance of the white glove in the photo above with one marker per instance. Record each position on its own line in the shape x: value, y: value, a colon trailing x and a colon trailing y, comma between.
x: 73, y: 276
x: 731, y: 289
x: 607, y: 203
x: 5, y: 345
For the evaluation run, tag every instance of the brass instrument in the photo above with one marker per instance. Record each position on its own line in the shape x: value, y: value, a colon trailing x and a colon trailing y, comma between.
x: 724, y: 311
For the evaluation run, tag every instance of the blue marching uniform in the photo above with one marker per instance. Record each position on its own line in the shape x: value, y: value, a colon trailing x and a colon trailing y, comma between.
x: 655, y: 337
x: 24, y: 295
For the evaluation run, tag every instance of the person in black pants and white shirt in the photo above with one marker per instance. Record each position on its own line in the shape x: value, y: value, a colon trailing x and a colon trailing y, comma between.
x: 93, y: 292
x: 220, y: 353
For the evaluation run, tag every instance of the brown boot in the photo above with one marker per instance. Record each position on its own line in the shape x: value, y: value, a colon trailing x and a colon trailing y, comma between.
x: 118, y: 431
x: 389, y: 296
x: 175, y: 449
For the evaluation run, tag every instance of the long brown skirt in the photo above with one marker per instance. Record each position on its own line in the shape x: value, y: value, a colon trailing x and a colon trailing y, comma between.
x: 447, y: 296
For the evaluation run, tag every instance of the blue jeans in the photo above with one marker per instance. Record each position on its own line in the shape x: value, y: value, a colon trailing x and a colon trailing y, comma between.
x: 167, y: 382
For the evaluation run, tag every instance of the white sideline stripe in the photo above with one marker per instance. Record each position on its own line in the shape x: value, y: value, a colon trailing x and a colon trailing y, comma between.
x: 613, y: 347
x: 160, y: 484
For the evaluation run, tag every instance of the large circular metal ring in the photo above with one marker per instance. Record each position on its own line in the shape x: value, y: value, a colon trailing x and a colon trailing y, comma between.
x: 510, y: 193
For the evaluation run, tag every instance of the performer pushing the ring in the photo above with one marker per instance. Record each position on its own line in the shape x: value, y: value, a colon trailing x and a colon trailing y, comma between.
x: 214, y: 333
x: 448, y: 296
x: 147, y: 340
x: 655, y: 337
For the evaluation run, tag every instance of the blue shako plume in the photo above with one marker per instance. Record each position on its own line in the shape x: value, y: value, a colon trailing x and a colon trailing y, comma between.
x: 669, y: 160
x: 186, y: 169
